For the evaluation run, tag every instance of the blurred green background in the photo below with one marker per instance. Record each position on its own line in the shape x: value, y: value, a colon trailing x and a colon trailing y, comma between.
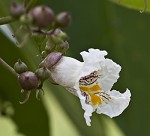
x: 124, y: 33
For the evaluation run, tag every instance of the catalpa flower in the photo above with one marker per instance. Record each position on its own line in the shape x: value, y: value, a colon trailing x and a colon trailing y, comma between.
x: 91, y: 80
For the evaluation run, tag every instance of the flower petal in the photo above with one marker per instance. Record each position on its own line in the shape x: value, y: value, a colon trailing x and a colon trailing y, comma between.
x: 116, y: 105
x: 86, y: 107
x: 93, y: 54
x: 110, y: 73
x: 65, y: 72
x: 94, y: 60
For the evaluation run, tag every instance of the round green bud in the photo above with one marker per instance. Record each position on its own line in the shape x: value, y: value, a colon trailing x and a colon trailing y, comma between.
x: 42, y: 16
x: 59, y: 36
x: 63, y: 46
x: 20, y: 67
x: 50, y: 45
x: 42, y: 73
x: 28, y: 80
x: 25, y: 19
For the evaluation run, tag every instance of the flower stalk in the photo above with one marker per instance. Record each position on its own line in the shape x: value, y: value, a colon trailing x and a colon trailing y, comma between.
x: 9, y: 68
x: 6, y: 20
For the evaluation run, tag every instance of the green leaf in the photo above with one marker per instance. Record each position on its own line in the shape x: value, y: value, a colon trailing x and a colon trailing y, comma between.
x: 60, y: 122
x: 8, y: 127
x: 141, y: 5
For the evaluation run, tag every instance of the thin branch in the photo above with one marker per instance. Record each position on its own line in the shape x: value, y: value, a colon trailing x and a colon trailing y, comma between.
x: 25, y: 2
x: 39, y: 31
x: 30, y: 4
x: 6, y: 20
x: 9, y: 68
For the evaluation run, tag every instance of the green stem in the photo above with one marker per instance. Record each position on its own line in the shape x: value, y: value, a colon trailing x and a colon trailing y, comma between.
x: 6, y: 20
x: 2, y: 62
x: 30, y: 4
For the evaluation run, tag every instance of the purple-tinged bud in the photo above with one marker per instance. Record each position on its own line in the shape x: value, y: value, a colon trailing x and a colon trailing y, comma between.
x: 28, y: 81
x: 63, y: 19
x: 52, y: 59
x: 42, y: 16
x: 20, y: 67
x: 16, y: 10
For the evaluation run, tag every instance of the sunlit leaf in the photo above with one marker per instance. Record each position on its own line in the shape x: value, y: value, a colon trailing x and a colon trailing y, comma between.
x: 60, y: 122
x: 141, y: 5
x: 8, y: 127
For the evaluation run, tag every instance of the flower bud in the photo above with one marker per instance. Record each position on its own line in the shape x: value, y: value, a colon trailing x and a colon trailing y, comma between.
x: 24, y: 19
x: 17, y: 10
x: 63, y: 19
x: 28, y: 80
x: 42, y: 73
x: 50, y: 45
x: 52, y: 59
x: 42, y: 16
x: 20, y: 67
x: 59, y: 36
x: 63, y: 46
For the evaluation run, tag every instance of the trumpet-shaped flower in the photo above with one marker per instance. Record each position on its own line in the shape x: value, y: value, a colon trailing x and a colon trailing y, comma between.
x: 91, y: 80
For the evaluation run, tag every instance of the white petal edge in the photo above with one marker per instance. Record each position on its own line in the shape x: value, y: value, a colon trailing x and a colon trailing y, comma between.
x: 94, y: 60
x: 93, y: 54
x: 110, y: 74
x: 117, y: 104
x: 87, y: 108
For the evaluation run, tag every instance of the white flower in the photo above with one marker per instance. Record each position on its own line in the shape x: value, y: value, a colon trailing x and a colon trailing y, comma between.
x: 91, y: 80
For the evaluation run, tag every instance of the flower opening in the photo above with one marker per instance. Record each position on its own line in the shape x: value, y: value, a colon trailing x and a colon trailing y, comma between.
x: 92, y: 80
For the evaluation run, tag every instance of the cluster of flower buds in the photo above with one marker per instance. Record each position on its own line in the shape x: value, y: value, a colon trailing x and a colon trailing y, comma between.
x: 40, y: 20
x: 57, y: 42
x: 42, y: 23
x: 33, y: 81
x: 29, y: 80
x: 40, y: 16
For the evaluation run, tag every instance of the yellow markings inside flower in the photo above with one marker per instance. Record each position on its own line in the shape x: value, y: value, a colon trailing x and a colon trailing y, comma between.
x: 95, y: 99
x: 91, y: 89
x: 92, y: 92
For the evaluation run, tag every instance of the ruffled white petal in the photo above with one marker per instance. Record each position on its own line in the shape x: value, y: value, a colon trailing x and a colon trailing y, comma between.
x: 86, y: 107
x: 109, y: 71
x: 94, y: 60
x: 66, y: 71
x: 93, y: 55
x: 116, y: 105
